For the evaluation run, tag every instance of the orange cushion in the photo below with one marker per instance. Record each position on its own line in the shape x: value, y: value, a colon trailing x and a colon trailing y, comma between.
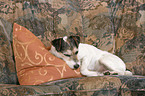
x: 34, y: 63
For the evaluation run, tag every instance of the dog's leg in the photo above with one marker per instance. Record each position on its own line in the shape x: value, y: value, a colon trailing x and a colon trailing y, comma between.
x: 114, y: 64
x: 85, y: 71
x: 89, y: 73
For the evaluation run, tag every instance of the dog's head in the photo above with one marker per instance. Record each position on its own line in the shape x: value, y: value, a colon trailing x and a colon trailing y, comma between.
x: 67, y: 49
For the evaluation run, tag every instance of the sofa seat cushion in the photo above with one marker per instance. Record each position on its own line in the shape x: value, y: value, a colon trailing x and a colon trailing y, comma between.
x: 83, y: 86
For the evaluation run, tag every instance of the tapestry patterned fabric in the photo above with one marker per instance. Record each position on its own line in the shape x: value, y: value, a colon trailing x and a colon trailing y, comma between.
x: 116, y: 26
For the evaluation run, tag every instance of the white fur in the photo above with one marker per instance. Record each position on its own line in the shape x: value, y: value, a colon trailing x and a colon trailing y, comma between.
x: 93, y: 59
x: 65, y: 38
x: 69, y: 62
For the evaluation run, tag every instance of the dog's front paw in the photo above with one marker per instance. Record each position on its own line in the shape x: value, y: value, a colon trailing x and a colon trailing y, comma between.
x: 114, y: 74
x: 106, y: 73
x: 89, y: 73
x: 110, y: 73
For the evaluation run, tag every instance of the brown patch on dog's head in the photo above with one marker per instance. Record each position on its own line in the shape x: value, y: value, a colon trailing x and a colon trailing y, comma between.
x: 60, y: 45
x: 66, y: 43
x: 67, y: 48
x: 74, y: 41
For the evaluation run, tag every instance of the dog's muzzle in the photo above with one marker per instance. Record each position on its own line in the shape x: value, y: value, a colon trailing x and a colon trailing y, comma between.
x: 76, y: 66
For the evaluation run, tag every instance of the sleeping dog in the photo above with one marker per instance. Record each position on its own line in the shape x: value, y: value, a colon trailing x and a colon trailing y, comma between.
x: 91, y: 60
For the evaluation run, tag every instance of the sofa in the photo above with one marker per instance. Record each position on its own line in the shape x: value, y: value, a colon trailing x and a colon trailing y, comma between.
x: 116, y: 26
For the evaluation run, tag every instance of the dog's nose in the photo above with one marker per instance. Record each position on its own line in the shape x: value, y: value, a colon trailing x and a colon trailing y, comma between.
x: 76, y: 66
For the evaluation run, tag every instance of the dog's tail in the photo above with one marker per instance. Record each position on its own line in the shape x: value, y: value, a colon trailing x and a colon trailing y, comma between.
x: 128, y: 73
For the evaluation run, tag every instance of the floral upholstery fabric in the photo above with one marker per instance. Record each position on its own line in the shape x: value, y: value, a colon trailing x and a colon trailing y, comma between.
x: 117, y: 26
x: 85, y: 86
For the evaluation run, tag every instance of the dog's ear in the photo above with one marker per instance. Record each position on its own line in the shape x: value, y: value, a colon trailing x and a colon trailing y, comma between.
x: 74, y: 40
x: 59, y: 44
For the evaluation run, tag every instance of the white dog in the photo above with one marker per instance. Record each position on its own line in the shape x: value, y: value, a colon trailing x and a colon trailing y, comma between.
x: 92, y: 61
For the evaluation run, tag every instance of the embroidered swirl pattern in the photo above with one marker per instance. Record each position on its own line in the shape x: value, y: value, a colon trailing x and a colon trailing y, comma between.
x: 34, y: 63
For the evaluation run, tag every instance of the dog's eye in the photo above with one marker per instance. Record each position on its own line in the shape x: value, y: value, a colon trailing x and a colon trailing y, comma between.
x: 67, y: 55
x: 76, y: 52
